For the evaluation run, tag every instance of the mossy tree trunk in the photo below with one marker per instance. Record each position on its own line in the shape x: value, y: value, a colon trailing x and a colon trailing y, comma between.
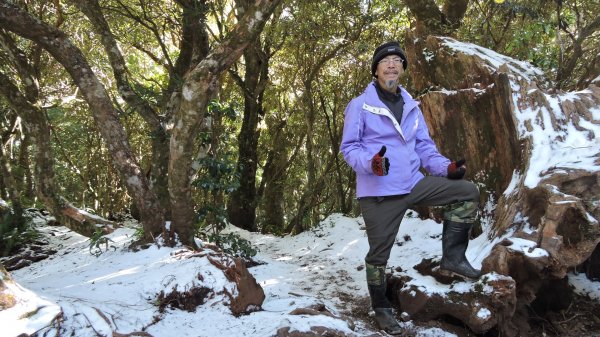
x: 199, y: 87
x: 26, y: 103
x: 13, y: 18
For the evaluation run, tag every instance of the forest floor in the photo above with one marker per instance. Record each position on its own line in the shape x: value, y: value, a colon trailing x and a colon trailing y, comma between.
x: 580, y: 319
x: 323, y: 265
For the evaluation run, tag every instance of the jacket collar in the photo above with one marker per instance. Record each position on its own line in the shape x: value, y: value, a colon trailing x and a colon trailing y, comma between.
x: 372, y: 99
x: 374, y: 105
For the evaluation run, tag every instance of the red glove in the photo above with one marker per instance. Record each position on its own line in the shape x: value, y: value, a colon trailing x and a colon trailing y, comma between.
x: 380, y: 164
x: 456, y: 170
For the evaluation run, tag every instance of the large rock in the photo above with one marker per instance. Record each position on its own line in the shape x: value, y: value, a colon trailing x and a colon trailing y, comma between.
x: 533, y: 150
x: 482, y: 305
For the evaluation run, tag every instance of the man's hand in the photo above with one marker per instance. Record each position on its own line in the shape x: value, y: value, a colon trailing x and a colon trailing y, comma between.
x: 457, y: 169
x: 380, y: 164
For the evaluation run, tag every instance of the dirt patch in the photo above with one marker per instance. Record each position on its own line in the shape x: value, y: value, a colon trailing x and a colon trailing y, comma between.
x: 358, y: 308
x: 187, y: 300
x: 580, y: 318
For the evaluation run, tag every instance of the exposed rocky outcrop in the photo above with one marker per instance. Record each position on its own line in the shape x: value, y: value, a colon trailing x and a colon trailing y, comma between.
x: 532, y: 150
x: 481, y: 305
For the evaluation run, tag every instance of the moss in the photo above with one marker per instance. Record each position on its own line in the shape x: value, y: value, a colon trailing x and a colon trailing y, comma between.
x: 455, y: 297
x: 5, y: 276
x: 30, y: 313
x: 7, y: 301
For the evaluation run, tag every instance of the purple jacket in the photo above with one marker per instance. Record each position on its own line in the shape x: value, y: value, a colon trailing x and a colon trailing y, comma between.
x: 369, y: 124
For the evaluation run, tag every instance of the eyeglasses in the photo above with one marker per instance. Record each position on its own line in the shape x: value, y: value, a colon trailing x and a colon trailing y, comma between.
x: 395, y: 60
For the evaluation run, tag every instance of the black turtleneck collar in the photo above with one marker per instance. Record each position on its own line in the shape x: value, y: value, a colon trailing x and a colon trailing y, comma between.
x: 385, y: 95
x: 394, y: 102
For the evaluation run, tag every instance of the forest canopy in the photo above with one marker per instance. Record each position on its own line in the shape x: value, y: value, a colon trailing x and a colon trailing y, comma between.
x: 201, y: 112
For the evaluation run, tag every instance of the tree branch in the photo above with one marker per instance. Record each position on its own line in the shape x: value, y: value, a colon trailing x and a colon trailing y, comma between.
x: 65, y: 52
x: 92, y: 11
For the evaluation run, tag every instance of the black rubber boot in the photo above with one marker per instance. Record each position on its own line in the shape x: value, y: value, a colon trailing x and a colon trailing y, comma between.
x: 387, y: 322
x: 455, y: 239
x: 384, y: 316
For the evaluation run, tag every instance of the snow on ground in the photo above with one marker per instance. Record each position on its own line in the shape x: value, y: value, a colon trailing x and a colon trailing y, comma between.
x: 116, y: 290
x: 582, y: 285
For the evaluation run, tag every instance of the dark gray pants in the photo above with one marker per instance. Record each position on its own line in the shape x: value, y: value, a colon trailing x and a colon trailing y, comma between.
x: 383, y: 215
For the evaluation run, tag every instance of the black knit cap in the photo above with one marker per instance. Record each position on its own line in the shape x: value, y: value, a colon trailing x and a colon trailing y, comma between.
x: 388, y: 48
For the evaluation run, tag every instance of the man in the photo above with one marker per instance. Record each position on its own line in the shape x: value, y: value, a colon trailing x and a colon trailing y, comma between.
x: 386, y: 141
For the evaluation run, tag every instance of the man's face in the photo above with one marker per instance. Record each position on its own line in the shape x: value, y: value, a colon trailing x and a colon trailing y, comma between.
x: 388, y: 72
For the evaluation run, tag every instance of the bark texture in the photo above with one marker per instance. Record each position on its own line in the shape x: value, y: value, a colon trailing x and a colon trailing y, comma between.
x: 160, y: 145
x: 491, y: 110
x: 248, y: 295
x: 468, y: 109
x: 272, y: 187
x: 241, y: 208
x: 200, y: 86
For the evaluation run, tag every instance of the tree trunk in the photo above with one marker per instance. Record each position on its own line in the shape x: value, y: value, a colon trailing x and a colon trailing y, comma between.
x: 312, y: 161
x: 335, y: 133
x: 272, y: 187
x: 5, y: 135
x: 241, y: 208
x: 37, y: 128
x: 567, y: 67
x: 159, y: 170
x: 25, y: 182
x: 199, y: 88
x: 14, y: 19
x: 16, y: 221
x: 430, y: 20
x: 3, y: 190
x: 159, y: 136
x: 473, y: 121
x: 489, y: 114
x: 308, y: 200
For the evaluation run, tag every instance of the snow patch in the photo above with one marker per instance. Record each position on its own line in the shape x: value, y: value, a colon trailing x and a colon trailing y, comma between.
x: 484, y: 313
x: 527, y: 247
x: 514, y: 182
x: 584, y: 286
x: 495, y: 60
x: 29, y: 313
x: 187, y: 93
